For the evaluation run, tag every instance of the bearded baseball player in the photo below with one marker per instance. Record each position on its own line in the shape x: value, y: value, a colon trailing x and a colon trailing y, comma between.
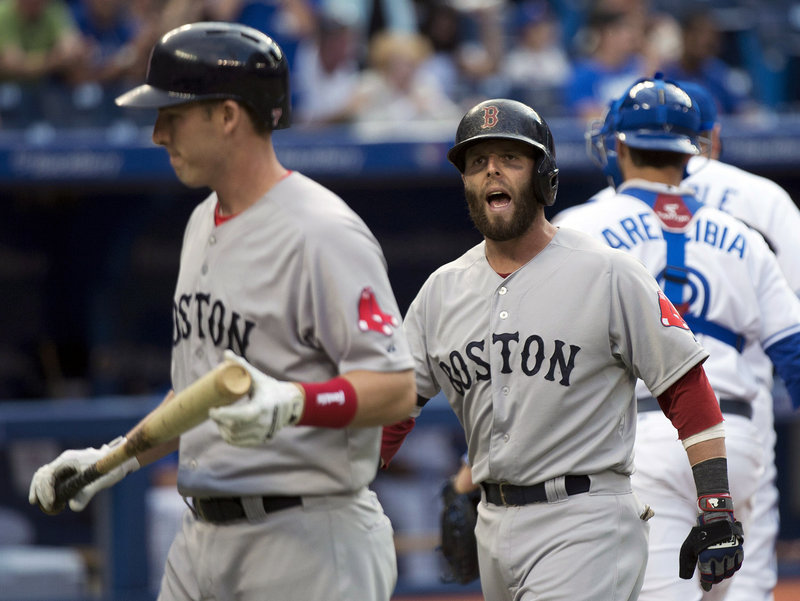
x: 728, y: 286
x: 536, y: 336
x: 766, y: 207
x: 278, y: 273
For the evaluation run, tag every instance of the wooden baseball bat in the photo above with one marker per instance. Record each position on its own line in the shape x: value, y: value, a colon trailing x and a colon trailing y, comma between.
x: 222, y: 385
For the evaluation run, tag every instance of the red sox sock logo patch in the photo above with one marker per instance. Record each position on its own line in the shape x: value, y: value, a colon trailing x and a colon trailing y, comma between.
x: 669, y: 314
x: 371, y: 317
x: 672, y: 211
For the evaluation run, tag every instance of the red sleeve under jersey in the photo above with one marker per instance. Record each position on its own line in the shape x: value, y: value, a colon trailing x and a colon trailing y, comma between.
x: 690, y: 403
x: 392, y: 437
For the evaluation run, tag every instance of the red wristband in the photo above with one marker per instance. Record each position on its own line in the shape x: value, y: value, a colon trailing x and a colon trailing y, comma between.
x: 330, y: 404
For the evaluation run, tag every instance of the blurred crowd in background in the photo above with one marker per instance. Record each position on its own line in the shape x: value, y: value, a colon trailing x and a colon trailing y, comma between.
x: 353, y: 62
x: 63, y: 61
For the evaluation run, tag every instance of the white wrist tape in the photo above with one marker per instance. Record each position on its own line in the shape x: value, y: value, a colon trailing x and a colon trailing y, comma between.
x: 717, y: 431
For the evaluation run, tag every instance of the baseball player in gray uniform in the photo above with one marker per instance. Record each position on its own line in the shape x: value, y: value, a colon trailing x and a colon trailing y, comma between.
x: 728, y: 287
x: 536, y: 336
x: 278, y: 273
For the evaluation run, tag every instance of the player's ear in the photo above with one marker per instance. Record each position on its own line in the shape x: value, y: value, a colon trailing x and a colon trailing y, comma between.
x: 232, y: 114
x: 623, y: 153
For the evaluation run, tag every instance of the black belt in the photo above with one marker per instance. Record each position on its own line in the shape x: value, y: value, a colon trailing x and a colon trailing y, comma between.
x: 732, y: 406
x: 511, y: 494
x: 229, y: 509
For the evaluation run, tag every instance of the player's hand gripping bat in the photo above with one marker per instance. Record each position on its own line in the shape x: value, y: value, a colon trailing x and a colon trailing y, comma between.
x: 223, y: 385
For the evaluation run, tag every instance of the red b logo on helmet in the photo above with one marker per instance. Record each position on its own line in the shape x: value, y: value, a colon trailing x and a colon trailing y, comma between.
x: 490, y: 116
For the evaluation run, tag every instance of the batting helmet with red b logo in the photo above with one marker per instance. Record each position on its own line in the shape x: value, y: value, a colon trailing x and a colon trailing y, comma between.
x: 501, y: 118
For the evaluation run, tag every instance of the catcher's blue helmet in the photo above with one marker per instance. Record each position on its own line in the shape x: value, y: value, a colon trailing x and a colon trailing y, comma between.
x: 705, y: 103
x: 657, y: 114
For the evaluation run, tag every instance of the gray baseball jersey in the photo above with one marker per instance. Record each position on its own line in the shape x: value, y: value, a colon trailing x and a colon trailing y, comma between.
x: 540, y: 366
x: 297, y: 284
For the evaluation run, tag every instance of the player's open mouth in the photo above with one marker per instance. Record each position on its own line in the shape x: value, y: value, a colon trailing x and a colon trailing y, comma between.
x: 498, y: 200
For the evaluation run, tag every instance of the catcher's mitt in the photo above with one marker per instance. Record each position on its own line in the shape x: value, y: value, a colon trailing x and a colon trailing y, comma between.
x: 459, y: 547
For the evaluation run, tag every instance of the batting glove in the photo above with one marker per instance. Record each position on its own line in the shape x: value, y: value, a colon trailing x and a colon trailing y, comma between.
x: 715, y: 544
x: 273, y: 404
x: 43, y: 484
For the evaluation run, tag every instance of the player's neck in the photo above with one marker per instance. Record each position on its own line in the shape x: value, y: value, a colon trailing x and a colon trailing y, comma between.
x: 252, y: 180
x: 509, y: 255
x: 669, y: 176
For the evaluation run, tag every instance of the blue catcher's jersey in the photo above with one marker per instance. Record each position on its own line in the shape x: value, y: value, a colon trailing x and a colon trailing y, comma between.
x: 717, y: 271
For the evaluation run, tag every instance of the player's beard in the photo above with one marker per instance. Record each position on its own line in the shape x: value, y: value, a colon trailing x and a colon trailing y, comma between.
x: 500, y: 228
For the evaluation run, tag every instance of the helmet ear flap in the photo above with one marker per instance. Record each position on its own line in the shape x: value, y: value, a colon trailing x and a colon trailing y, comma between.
x: 546, y: 181
x: 602, y: 144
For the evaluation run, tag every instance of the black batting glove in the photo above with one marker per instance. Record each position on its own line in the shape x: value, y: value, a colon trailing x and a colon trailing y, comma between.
x: 715, y: 544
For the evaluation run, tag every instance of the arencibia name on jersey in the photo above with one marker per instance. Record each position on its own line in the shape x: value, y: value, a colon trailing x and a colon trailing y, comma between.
x: 643, y: 227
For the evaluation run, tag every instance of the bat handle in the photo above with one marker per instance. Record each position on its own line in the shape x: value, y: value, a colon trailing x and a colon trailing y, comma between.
x: 67, y: 487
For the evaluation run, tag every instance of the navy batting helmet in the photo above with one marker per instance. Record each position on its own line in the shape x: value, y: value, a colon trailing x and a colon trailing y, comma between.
x: 211, y: 60
x: 501, y: 118
x: 657, y: 114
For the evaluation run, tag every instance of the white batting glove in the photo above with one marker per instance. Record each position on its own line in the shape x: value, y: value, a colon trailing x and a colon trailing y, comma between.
x: 273, y: 404
x: 43, y: 492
